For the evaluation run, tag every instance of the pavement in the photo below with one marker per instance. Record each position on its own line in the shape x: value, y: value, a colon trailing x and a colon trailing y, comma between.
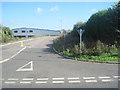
x: 36, y: 65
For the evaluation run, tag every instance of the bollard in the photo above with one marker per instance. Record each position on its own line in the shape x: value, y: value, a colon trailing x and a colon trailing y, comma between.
x: 21, y: 43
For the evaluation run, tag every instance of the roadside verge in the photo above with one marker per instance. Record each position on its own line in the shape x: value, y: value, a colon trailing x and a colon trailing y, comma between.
x: 84, y: 60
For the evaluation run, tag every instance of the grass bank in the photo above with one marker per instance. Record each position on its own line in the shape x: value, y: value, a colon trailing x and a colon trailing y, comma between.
x: 17, y: 39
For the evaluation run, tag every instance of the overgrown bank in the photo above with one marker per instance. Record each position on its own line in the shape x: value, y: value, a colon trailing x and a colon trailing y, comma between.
x: 6, y: 35
x: 100, y: 39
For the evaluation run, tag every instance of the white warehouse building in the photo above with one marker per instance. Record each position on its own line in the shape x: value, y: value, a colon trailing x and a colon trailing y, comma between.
x: 22, y: 32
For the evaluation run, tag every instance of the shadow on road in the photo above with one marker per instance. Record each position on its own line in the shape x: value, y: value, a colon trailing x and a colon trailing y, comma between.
x: 50, y: 49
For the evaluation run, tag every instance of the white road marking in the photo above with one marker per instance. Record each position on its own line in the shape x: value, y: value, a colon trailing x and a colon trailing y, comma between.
x: 27, y: 79
x: 88, y: 77
x: 107, y: 80
x: 42, y: 78
x: 71, y: 78
x: 90, y: 80
x: 40, y: 82
x: 74, y: 81
x: 104, y: 77
x: 25, y: 82
x: 57, y: 78
x: 9, y: 82
x: 57, y: 81
x: 116, y: 76
x: 26, y: 69
x: 12, y: 79
x: 12, y: 56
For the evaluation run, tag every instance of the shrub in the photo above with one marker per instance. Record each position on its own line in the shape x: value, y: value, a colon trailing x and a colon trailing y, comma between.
x: 76, y: 50
x: 113, y: 50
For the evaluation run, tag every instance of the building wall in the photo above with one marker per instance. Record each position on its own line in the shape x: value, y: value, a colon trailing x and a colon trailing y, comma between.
x: 36, y: 32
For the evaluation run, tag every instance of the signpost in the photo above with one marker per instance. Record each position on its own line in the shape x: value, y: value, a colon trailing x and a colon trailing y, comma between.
x: 80, y: 33
x: 64, y: 33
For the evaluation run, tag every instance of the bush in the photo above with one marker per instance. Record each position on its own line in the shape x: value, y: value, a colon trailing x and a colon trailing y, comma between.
x: 113, y: 50
x: 7, y: 34
x: 76, y: 50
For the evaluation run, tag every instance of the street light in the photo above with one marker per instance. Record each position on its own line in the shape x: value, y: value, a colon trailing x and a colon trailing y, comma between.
x: 80, y: 33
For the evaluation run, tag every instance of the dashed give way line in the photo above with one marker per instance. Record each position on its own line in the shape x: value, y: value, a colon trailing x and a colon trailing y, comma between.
x: 12, y: 56
x: 61, y: 80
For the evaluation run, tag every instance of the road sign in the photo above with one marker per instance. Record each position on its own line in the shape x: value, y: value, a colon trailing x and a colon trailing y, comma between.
x: 80, y: 31
x: 64, y: 32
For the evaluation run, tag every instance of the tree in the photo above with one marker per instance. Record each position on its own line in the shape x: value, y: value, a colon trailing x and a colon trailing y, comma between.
x: 104, y: 26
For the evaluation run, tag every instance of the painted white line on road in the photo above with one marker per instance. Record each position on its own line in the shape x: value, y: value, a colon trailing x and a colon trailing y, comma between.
x: 116, y: 76
x: 57, y: 78
x: 42, y: 78
x: 40, y: 82
x: 88, y: 77
x: 12, y: 79
x: 12, y: 56
x: 104, y: 77
x: 71, y: 78
x: 58, y: 82
x: 27, y: 79
x: 26, y: 69
x: 74, y: 81
x: 9, y: 82
x: 107, y: 80
x: 90, y: 80
x: 25, y: 82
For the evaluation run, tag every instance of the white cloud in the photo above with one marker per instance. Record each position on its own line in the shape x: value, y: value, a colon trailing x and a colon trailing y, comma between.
x: 39, y: 10
x: 55, y: 8
x: 93, y: 10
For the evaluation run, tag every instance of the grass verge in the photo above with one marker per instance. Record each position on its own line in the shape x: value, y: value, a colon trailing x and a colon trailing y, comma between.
x: 105, y: 57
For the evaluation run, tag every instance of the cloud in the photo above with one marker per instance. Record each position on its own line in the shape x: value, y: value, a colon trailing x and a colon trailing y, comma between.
x: 39, y: 10
x: 93, y: 10
x: 55, y: 8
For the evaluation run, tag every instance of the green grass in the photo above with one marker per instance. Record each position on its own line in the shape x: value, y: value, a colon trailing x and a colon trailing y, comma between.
x: 105, y: 57
x: 14, y: 39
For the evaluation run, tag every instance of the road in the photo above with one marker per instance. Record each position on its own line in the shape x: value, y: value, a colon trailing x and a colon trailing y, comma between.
x: 38, y: 66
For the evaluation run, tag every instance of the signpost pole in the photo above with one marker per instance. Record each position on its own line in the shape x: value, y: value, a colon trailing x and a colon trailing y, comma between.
x: 80, y: 41
x: 80, y: 33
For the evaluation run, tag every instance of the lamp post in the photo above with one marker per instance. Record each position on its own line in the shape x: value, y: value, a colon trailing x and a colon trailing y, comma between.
x: 80, y: 33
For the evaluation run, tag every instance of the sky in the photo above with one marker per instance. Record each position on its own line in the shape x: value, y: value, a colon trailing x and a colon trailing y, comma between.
x: 49, y: 15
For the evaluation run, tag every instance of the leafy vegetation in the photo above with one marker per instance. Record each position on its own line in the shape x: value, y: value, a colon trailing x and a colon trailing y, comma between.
x: 5, y: 34
x: 103, y: 26
x: 100, y: 39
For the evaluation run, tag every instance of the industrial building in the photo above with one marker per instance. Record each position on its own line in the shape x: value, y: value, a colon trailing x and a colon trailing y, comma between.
x: 23, y: 32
